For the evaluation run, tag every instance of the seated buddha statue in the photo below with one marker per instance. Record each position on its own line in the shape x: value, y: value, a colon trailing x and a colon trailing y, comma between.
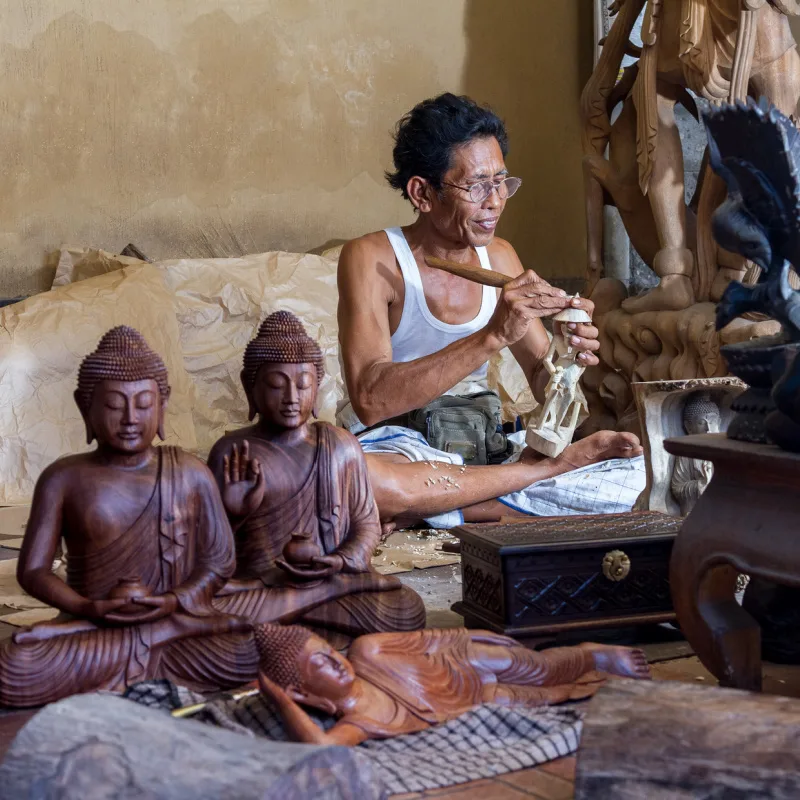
x: 299, y: 499
x: 395, y: 683
x: 149, y: 546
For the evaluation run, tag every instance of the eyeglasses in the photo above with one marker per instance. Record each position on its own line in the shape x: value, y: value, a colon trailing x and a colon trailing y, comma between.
x: 478, y: 192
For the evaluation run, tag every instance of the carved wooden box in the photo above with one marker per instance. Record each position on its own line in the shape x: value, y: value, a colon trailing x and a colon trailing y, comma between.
x: 553, y: 574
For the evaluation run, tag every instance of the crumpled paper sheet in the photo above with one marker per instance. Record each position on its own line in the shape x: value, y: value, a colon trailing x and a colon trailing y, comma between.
x: 42, y: 342
x: 197, y: 313
x: 79, y: 263
x: 219, y: 303
x: 403, y: 551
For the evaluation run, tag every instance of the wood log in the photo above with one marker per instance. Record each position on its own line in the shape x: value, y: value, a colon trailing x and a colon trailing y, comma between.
x: 676, y: 740
x: 103, y: 746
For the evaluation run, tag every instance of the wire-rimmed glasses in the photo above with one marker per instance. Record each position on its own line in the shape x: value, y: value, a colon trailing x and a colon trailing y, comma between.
x: 478, y: 192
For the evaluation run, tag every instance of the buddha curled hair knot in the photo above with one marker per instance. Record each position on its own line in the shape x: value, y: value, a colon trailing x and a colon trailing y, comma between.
x: 121, y: 355
x: 279, y: 647
x: 281, y: 339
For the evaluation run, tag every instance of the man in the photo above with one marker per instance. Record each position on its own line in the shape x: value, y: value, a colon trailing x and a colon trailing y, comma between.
x: 410, y: 334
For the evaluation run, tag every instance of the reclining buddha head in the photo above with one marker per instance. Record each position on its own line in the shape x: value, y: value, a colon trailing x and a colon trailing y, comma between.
x: 304, y: 665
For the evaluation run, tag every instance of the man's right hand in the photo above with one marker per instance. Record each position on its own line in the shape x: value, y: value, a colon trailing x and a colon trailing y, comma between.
x: 522, y: 300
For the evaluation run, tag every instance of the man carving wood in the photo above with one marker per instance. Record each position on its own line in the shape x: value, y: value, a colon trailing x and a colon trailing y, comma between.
x: 412, y: 336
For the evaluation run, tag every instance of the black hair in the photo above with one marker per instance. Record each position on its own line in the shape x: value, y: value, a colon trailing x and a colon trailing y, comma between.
x: 426, y: 137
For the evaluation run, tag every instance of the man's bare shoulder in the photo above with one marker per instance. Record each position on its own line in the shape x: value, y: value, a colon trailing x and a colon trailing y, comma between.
x: 504, y: 258
x: 366, y: 253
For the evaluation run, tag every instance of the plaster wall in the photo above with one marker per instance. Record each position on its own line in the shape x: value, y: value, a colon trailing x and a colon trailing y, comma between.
x: 219, y: 127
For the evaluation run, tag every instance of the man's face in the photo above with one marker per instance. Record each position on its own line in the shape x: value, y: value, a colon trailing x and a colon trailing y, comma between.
x: 325, y: 672
x: 125, y: 415
x: 284, y: 394
x: 454, y: 215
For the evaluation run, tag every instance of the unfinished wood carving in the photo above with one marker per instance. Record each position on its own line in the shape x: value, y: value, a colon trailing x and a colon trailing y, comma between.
x: 676, y: 408
x: 721, y: 50
x: 564, y: 407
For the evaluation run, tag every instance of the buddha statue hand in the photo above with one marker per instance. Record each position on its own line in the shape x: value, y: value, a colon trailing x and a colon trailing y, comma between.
x: 153, y: 607
x: 243, y: 482
x: 321, y: 567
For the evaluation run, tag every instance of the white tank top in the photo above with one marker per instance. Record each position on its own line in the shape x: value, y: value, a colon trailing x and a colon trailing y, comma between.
x: 419, y: 333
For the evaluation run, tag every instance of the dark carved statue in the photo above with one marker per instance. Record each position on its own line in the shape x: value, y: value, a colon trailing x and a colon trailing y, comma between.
x: 756, y: 150
x: 148, y: 546
x: 299, y: 499
x: 396, y: 683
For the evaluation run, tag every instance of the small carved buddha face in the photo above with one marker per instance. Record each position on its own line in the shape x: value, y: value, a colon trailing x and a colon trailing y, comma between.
x: 126, y: 415
x: 284, y: 394
x: 326, y: 673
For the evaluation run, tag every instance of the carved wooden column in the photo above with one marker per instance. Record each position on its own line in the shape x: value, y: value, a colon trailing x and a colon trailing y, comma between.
x: 746, y: 521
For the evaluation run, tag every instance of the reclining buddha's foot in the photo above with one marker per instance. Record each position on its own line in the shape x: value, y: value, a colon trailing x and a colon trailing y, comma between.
x: 601, y: 446
x: 627, y: 662
x: 674, y: 293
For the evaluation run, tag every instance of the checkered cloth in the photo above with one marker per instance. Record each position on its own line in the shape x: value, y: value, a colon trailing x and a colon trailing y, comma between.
x: 491, y: 740
x: 610, y: 487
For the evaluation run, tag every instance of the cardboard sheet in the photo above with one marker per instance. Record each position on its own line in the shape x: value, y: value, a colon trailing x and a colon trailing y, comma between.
x: 42, y: 342
x: 13, y: 520
x: 404, y: 551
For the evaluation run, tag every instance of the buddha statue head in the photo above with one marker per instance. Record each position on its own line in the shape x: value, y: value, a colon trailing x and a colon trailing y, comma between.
x: 122, y: 393
x: 283, y: 367
x: 701, y: 414
x: 304, y: 665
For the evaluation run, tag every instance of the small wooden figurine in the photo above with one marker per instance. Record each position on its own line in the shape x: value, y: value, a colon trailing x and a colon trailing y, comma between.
x: 299, y: 498
x: 564, y: 406
x: 149, y: 545
x: 396, y: 683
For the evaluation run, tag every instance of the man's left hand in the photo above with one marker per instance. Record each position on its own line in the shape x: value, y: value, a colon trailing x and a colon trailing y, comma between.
x: 583, y: 335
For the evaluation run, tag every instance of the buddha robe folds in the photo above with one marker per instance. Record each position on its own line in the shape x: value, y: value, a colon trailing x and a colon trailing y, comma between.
x: 435, y: 675
x: 336, y: 505
x: 181, y: 543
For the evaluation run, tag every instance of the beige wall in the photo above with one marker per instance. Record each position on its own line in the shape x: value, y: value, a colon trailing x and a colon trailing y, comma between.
x: 214, y: 127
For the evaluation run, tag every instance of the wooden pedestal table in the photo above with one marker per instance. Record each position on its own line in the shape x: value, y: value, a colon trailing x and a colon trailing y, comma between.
x: 746, y: 522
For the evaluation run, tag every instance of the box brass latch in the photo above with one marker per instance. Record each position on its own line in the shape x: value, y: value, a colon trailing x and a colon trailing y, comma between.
x: 616, y: 565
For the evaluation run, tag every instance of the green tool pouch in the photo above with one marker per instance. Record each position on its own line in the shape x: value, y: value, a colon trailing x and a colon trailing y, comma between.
x: 470, y: 425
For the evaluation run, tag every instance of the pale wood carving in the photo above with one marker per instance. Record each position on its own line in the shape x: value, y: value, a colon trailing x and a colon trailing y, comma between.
x: 564, y: 407
x: 721, y: 50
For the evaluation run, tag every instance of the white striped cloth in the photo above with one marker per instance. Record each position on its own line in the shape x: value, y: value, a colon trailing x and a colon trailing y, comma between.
x: 610, y: 487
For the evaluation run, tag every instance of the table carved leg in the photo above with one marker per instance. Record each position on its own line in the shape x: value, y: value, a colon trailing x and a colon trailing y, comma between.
x: 747, y: 521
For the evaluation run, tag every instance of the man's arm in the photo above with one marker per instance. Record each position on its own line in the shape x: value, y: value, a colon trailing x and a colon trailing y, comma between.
x: 380, y: 389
